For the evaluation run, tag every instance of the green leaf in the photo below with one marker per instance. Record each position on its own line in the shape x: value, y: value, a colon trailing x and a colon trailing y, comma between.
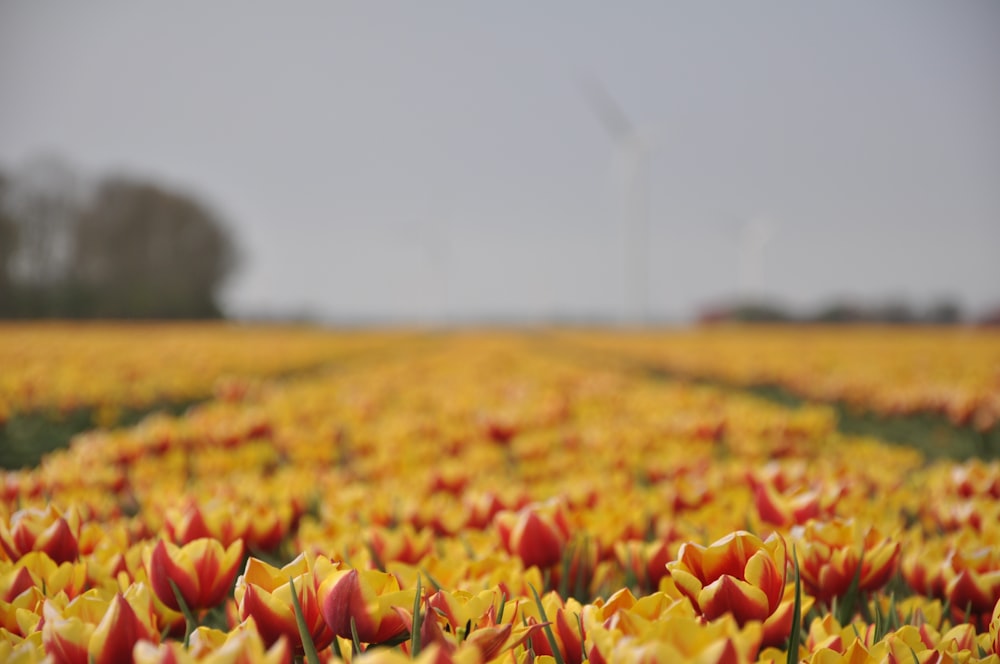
x: 795, y: 636
x: 469, y: 551
x: 376, y: 559
x: 336, y: 648
x: 415, y: 628
x: 307, y: 642
x: 189, y: 619
x: 566, y: 564
x: 580, y: 587
x: 845, y: 611
x: 503, y: 605
x: 631, y: 581
x: 880, y: 622
x: 893, y: 622
x: 434, y: 582
x: 355, y: 642
x: 556, y: 655
x: 583, y: 638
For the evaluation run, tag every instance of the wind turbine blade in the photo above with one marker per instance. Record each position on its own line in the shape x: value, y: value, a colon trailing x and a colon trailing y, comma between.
x: 607, y: 110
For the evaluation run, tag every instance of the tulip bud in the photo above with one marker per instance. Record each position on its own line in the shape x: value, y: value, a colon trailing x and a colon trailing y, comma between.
x: 830, y: 552
x: 208, y: 646
x: 17, y: 592
x: 202, y: 571
x: 93, y: 629
x: 973, y: 584
x: 119, y: 631
x: 214, y: 520
x: 48, y: 531
x: 264, y: 594
x: 367, y: 598
x: 738, y: 574
x: 537, y: 534
x: 785, y: 509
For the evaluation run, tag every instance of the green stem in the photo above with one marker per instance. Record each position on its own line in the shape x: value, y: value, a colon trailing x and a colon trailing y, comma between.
x: 355, y: 641
x: 308, y: 646
x: 556, y: 654
x: 415, y: 627
x: 189, y: 619
x: 795, y: 637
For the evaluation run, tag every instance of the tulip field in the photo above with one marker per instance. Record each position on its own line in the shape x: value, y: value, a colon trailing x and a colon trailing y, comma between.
x: 557, y: 496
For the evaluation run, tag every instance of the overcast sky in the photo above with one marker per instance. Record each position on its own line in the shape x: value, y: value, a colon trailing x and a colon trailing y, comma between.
x: 419, y: 160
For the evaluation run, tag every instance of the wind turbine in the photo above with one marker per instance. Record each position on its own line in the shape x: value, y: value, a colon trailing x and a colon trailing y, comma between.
x: 755, y: 235
x: 633, y: 146
x: 430, y: 237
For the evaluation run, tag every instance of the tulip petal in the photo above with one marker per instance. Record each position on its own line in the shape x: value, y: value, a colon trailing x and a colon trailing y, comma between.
x: 163, y: 568
x: 536, y: 542
x: 730, y: 595
x: 728, y: 556
x: 117, y: 633
x: 273, y: 617
x: 763, y: 573
x: 967, y: 590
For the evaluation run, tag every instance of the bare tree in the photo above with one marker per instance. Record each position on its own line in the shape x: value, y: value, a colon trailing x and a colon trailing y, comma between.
x: 43, y: 199
x: 140, y: 250
x: 126, y: 248
x: 8, y: 245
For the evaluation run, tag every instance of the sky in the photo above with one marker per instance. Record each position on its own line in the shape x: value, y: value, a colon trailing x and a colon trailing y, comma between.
x: 450, y: 161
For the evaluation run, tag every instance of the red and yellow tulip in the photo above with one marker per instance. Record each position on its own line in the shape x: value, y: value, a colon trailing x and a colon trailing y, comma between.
x: 96, y: 629
x: 974, y: 583
x: 537, y: 534
x: 46, y: 530
x: 202, y: 571
x: 830, y: 553
x: 264, y: 593
x: 363, y: 601
x: 243, y: 645
x: 738, y: 574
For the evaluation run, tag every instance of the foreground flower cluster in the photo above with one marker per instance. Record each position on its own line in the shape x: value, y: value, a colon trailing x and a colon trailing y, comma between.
x: 949, y: 371
x: 479, y: 501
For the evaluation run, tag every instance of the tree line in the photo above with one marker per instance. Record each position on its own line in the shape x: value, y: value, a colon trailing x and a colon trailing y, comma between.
x: 892, y: 312
x: 117, y: 247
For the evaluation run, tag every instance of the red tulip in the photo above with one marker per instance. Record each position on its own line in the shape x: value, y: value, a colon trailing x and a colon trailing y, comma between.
x: 537, y: 534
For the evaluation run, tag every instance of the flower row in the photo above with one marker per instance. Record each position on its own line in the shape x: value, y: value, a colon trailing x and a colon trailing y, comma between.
x: 951, y: 371
x: 59, y: 368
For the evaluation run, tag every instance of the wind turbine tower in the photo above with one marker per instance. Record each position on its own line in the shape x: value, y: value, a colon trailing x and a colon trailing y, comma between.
x: 755, y: 236
x: 633, y: 146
